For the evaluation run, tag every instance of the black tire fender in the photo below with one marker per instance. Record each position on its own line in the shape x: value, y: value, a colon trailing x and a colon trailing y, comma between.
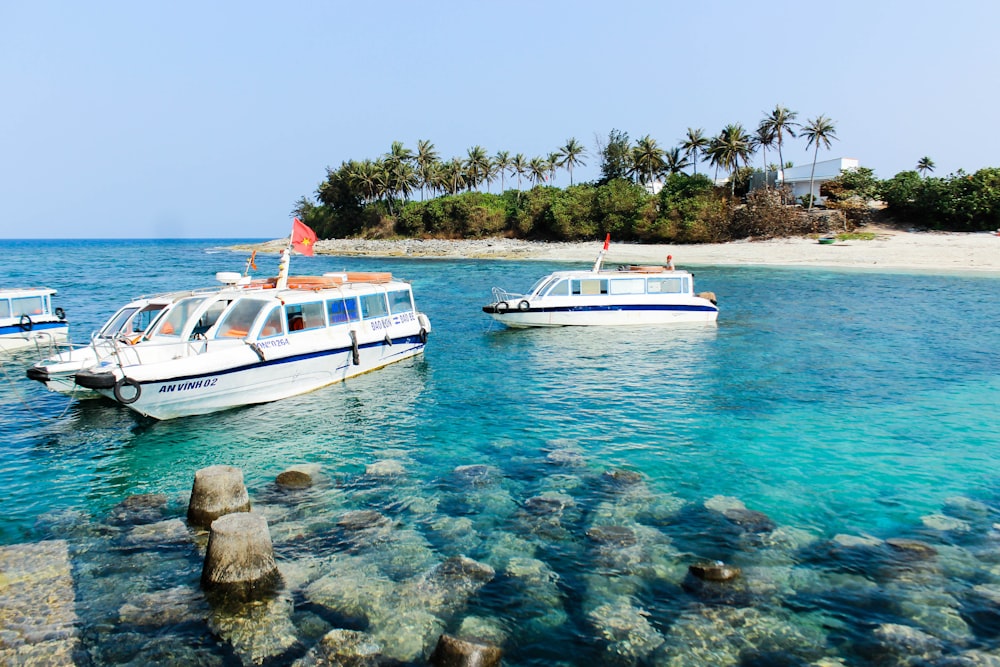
x: 60, y: 313
x: 25, y: 323
x: 502, y: 307
x: 524, y: 305
x: 423, y: 335
x: 118, y: 391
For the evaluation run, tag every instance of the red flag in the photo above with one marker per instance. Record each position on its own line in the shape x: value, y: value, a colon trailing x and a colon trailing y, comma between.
x: 303, y: 237
x: 607, y: 240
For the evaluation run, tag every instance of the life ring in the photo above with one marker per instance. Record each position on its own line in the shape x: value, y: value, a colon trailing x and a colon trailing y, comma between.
x: 502, y: 307
x: 524, y: 305
x: 25, y: 323
x: 118, y: 391
x: 423, y: 335
x: 60, y: 313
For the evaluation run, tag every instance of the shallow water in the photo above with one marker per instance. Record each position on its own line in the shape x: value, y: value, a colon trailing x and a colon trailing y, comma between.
x: 831, y: 403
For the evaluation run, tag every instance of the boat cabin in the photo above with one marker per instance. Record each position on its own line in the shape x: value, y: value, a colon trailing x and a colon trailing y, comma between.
x: 570, y: 283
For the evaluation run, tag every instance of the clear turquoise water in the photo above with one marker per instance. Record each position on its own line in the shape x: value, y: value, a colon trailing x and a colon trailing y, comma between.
x: 833, y: 402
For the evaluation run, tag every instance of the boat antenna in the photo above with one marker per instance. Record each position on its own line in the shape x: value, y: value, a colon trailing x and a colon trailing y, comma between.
x: 600, y: 255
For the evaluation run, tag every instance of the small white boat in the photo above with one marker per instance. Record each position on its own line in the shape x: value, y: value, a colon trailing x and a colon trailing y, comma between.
x: 27, y: 319
x: 628, y: 295
x: 125, y: 327
x: 262, y: 340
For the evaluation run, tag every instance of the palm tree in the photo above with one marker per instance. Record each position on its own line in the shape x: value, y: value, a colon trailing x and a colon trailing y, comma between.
x: 554, y: 161
x: 426, y: 160
x: 452, y: 176
x: 571, y: 154
x: 695, y: 142
x: 727, y: 149
x: 674, y: 161
x: 925, y: 165
x: 819, y: 130
x: 519, y: 166
x: 477, y: 166
x: 647, y: 158
x: 537, y: 168
x: 763, y: 139
x: 781, y: 122
x: 502, y: 162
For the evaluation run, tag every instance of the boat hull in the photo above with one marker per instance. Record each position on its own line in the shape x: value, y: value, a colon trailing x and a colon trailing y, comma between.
x: 235, y: 383
x: 41, y: 335
x: 604, y: 315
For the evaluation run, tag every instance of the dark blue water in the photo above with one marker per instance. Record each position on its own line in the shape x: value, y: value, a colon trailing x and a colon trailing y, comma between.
x: 828, y: 404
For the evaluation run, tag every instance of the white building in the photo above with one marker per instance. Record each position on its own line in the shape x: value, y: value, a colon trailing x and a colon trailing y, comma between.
x: 797, y: 178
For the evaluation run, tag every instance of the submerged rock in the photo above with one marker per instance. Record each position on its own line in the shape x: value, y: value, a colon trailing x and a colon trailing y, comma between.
x: 139, y: 509
x: 617, y: 536
x: 454, y: 652
x: 625, y: 631
x: 750, y: 521
x: 294, y: 480
x: 343, y: 648
x: 714, y: 571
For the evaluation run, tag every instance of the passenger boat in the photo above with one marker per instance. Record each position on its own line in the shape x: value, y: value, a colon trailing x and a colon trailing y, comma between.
x: 125, y: 327
x: 628, y: 295
x: 28, y: 319
x: 262, y: 340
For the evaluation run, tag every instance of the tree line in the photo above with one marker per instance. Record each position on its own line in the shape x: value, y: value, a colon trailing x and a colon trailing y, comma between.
x: 416, y: 193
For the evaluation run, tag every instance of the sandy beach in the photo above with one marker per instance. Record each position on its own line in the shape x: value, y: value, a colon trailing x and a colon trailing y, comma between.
x: 939, y: 252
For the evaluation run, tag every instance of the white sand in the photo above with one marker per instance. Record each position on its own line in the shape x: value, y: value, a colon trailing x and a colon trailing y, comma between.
x: 939, y: 252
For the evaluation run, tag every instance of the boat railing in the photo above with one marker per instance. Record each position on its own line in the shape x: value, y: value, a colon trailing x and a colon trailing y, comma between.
x: 503, y: 295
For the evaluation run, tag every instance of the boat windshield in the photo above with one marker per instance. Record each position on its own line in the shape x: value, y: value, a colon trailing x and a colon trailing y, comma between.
x: 541, y: 284
x: 118, y: 322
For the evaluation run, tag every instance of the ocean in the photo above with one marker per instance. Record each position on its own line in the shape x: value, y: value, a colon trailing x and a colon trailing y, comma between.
x: 834, y: 436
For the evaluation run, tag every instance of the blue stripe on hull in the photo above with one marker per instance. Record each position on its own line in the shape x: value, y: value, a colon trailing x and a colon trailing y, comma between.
x: 631, y: 308
x: 16, y: 329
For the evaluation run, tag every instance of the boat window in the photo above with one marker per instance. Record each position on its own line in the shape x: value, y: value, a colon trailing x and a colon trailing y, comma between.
x: 561, y: 289
x: 117, y: 324
x: 145, y: 317
x: 305, y: 316
x: 273, y: 325
x: 342, y: 310
x: 400, y: 301
x: 373, y: 305
x: 666, y: 285
x: 590, y: 286
x: 27, y: 305
x: 628, y: 286
x: 210, y: 316
x: 239, y: 318
x: 178, y: 315
x: 4, y: 308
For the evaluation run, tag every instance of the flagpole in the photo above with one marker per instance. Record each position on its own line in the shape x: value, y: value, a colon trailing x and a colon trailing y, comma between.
x: 283, y: 263
x: 600, y: 255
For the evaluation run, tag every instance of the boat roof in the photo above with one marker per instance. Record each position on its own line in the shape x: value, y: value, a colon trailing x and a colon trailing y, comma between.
x: 14, y: 292
x: 621, y: 272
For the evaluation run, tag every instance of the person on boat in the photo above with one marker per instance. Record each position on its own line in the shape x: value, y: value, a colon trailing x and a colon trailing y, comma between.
x: 670, y: 262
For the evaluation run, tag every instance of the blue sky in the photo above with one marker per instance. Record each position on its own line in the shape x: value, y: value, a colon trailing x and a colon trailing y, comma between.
x: 211, y: 119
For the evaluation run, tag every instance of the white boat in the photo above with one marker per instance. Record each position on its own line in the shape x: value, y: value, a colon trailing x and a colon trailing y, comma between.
x: 125, y: 327
x: 27, y: 319
x: 262, y: 340
x: 628, y: 295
